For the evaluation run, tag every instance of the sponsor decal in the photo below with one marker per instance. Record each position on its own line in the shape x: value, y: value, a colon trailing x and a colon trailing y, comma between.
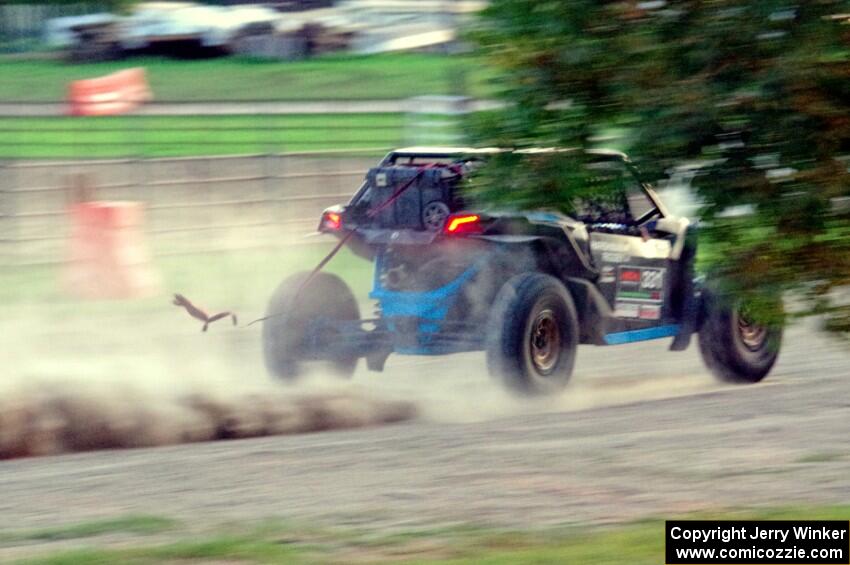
x: 650, y: 312
x: 616, y: 245
x: 629, y: 246
x: 627, y: 310
x: 640, y: 284
x: 652, y: 279
x: 630, y: 275
x: 614, y: 257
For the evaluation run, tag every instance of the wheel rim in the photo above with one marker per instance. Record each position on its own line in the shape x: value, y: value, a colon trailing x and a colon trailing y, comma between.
x: 752, y: 335
x: 545, y: 342
x: 434, y: 216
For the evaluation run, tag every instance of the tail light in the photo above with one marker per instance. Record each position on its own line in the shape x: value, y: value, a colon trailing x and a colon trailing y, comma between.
x: 331, y: 221
x: 461, y: 224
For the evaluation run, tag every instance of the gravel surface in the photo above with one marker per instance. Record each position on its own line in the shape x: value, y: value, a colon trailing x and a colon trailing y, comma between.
x: 640, y: 432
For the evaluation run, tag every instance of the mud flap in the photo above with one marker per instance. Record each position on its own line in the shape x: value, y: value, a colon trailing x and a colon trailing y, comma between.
x: 691, y: 303
x: 688, y: 327
x: 376, y: 361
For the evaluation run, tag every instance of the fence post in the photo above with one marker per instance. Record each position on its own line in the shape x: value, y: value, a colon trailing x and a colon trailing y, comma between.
x: 280, y: 173
x: 6, y: 214
x: 278, y: 190
x: 269, y: 181
x: 436, y: 120
x: 138, y: 158
x: 268, y: 188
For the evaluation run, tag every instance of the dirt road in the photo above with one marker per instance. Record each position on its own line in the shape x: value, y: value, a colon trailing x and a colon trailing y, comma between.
x: 641, y: 432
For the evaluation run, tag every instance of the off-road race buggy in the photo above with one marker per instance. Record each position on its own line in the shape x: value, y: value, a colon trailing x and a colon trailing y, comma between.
x: 525, y: 287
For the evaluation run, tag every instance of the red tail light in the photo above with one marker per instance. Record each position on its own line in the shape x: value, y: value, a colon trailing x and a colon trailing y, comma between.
x: 331, y: 221
x: 457, y: 224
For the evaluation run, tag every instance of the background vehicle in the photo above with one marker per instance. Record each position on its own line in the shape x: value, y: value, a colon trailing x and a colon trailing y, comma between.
x: 525, y: 287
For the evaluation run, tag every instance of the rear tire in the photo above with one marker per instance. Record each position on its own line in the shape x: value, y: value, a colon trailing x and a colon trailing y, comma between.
x: 734, y: 349
x: 532, y: 334
x: 291, y: 307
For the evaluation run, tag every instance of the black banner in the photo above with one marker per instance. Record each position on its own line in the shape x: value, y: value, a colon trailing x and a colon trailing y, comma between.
x: 757, y: 542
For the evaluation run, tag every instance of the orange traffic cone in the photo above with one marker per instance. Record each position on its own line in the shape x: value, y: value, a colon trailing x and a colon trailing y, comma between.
x: 107, y: 255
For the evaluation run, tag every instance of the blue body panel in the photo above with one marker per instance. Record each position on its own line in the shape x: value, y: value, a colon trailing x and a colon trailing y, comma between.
x: 645, y: 334
x: 428, y: 310
x: 429, y: 307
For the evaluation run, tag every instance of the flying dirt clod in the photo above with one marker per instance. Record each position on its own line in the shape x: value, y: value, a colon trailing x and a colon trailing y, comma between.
x: 197, y: 313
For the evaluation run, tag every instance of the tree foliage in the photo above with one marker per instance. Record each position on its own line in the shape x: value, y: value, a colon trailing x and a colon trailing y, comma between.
x: 757, y: 91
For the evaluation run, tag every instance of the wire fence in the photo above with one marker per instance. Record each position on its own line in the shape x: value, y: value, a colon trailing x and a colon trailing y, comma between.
x: 193, y: 204
x: 208, y: 181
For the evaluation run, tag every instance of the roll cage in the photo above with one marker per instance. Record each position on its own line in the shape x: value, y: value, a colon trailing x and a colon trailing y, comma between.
x: 413, y: 156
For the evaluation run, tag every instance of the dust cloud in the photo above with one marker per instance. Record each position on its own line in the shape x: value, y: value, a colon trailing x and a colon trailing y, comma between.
x: 107, y: 375
x: 457, y: 388
x: 49, y: 418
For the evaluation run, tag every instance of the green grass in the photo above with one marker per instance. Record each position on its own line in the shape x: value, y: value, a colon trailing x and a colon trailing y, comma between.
x: 821, y: 457
x: 375, y: 77
x: 160, y: 136
x: 225, y: 548
x: 637, y: 543
x: 394, y: 76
